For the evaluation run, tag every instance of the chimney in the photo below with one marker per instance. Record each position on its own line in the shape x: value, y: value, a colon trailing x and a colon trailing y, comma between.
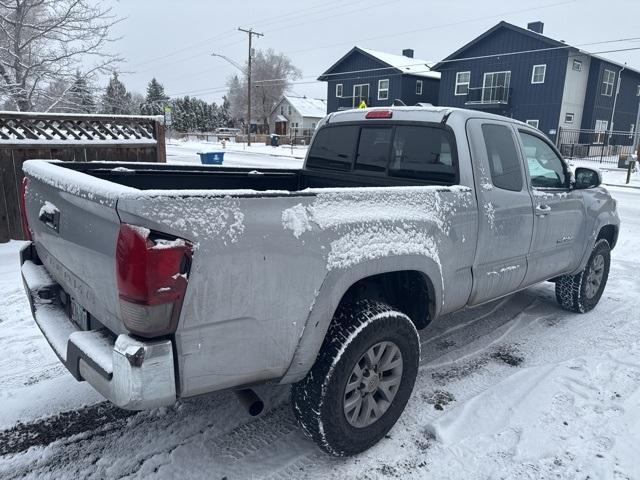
x: 537, y: 27
x: 407, y: 52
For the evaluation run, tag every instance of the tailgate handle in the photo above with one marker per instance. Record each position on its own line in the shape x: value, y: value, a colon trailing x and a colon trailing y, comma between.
x: 50, y: 216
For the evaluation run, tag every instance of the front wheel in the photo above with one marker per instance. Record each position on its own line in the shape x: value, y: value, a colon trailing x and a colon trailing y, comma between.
x: 581, y: 292
x: 361, y: 380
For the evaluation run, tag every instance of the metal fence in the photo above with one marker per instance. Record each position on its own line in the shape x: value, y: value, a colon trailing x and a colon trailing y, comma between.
x: 610, y: 147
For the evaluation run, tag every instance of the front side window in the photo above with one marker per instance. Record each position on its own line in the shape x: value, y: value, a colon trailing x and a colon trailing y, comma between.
x: 463, y: 79
x: 333, y: 148
x: 538, y: 73
x: 502, y: 154
x: 608, y: 78
x: 568, y: 118
x: 421, y: 152
x: 546, y: 168
x: 339, y: 90
x: 418, y: 87
x: 383, y: 89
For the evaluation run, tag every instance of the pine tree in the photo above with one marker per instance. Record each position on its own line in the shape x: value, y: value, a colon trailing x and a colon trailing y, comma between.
x: 116, y: 100
x: 80, y: 96
x: 156, y: 99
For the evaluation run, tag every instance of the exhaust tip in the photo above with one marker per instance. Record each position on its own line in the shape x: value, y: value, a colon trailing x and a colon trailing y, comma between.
x: 250, y: 401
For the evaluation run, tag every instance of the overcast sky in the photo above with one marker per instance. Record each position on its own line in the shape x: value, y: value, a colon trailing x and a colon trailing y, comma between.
x: 172, y: 40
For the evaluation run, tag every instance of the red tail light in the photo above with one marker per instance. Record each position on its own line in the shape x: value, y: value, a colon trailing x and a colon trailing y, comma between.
x: 379, y: 114
x: 152, y: 280
x: 23, y: 209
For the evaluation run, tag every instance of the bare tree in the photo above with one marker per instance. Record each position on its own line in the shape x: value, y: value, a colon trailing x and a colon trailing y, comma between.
x: 272, y: 74
x: 45, y: 43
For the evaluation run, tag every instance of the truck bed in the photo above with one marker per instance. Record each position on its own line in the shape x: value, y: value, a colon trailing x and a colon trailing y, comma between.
x: 153, y: 176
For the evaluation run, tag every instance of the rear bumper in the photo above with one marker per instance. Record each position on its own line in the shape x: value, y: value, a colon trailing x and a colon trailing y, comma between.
x: 131, y: 373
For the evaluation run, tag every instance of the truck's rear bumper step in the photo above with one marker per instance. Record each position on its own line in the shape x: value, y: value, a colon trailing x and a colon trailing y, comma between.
x: 131, y: 373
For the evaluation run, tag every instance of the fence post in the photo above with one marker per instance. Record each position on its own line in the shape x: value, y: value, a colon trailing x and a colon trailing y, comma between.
x: 161, y: 146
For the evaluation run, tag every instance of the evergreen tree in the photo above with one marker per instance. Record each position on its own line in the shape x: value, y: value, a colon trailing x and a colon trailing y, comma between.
x: 156, y: 99
x: 224, y: 113
x: 81, y: 96
x: 116, y: 100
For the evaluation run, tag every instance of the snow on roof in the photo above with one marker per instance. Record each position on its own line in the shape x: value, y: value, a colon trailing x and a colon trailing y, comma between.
x: 308, y: 107
x: 411, y: 66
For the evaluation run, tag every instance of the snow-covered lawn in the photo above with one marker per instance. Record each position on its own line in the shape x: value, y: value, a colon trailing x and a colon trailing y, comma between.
x: 514, y: 389
x: 238, y: 154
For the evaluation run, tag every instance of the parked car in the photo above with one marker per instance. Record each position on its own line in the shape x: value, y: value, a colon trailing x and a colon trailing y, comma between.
x: 227, y: 134
x: 154, y: 282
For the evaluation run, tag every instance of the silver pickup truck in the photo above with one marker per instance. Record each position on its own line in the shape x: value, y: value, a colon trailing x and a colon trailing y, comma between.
x: 159, y: 282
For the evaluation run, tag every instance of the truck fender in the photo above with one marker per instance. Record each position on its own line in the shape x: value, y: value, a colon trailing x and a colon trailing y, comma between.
x: 333, y: 288
x: 602, y: 220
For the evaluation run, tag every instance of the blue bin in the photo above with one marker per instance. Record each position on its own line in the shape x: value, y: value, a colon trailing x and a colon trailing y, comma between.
x: 211, y: 158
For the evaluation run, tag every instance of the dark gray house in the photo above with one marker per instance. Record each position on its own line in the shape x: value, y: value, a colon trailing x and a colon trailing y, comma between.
x: 378, y: 78
x: 523, y: 74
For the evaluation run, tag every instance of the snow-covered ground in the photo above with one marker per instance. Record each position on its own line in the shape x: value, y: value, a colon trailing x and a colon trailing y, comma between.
x: 238, y: 154
x: 514, y: 389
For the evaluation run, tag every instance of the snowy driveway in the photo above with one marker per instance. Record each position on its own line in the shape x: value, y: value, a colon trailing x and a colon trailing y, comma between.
x: 514, y: 389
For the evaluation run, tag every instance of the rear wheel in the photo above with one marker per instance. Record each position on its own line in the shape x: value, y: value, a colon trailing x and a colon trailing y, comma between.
x: 361, y: 380
x: 581, y: 292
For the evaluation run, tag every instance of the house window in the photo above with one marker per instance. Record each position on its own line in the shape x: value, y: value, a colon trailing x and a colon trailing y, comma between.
x: 577, y: 65
x: 607, y: 82
x: 600, y: 130
x: 568, y: 118
x: 538, y: 73
x: 418, y: 87
x: 313, y: 126
x: 495, y: 87
x: 290, y: 110
x: 533, y: 123
x: 360, y: 94
x: 462, y: 83
x: 383, y: 89
x: 339, y: 89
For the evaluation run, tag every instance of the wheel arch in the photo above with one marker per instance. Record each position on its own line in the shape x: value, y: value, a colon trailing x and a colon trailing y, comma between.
x: 339, y: 284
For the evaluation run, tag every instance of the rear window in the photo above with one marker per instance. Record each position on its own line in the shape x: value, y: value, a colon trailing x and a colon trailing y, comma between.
x: 373, y: 149
x: 333, y: 148
x: 420, y: 152
x: 407, y: 151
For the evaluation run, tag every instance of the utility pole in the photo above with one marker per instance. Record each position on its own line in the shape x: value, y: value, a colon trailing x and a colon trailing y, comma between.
x: 251, y: 33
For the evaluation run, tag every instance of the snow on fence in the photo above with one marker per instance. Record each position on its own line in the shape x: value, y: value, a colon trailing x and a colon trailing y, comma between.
x: 69, y: 138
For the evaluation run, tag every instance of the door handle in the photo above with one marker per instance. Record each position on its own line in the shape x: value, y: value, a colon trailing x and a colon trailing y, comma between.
x: 543, y: 210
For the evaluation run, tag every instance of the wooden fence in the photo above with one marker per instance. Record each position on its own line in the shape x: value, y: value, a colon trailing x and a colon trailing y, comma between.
x: 69, y: 138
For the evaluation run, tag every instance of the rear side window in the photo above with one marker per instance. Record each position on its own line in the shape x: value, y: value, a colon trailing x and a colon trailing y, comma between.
x: 421, y: 152
x: 502, y: 155
x: 373, y: 149
x: 333, y: 148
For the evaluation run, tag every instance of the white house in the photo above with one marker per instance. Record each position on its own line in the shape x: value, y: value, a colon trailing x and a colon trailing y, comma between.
x: 297, y: 116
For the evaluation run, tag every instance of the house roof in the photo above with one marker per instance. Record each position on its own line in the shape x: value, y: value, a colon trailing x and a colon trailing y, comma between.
x: 305, y: 106
x: 524, y: 31
x: 405, y: 65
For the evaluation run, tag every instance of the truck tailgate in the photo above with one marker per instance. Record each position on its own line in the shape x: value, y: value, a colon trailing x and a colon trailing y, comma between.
x: 75, y: 226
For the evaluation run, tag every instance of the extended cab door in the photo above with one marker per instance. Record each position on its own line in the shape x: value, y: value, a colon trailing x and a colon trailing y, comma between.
x: 559, y: 216
x: 505, y: 210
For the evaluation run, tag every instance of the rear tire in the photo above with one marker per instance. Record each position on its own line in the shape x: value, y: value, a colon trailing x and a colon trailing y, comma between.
x: 370, y: 354
x: 581, y: 292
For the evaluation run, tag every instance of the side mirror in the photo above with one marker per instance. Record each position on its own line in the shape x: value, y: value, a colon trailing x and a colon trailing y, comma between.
x: 587, y: 178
